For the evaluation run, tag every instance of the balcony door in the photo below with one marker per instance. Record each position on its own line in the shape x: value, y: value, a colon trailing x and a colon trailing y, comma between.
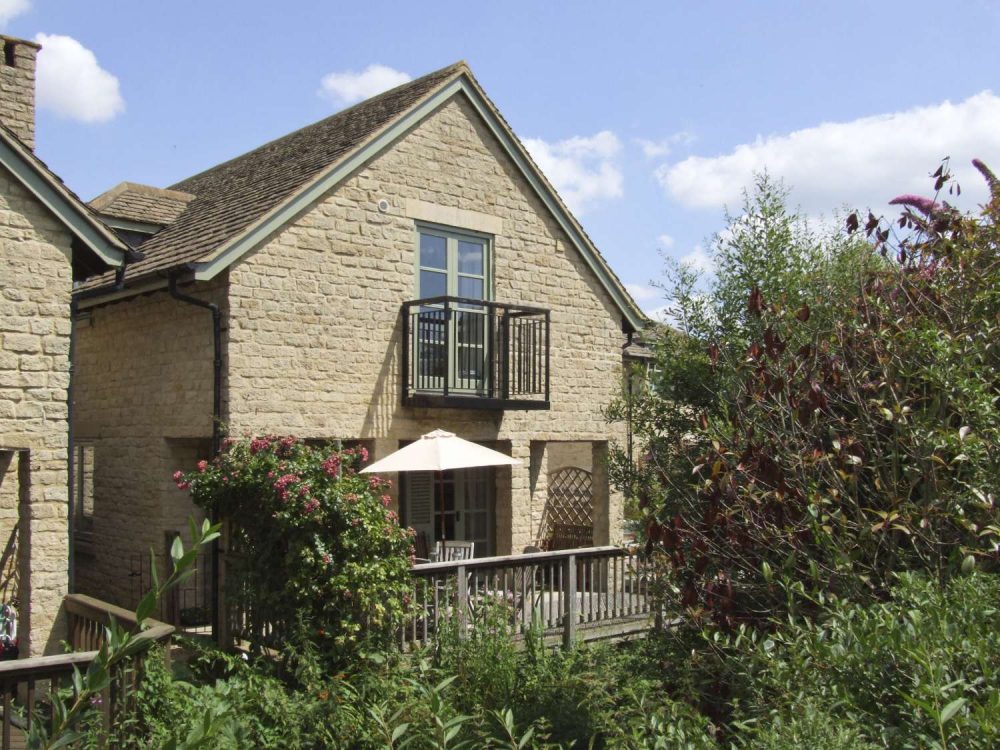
x: 453, y: 341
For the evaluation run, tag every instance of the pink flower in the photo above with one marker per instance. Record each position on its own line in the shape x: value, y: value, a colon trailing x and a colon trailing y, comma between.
x: 183, y: 485
x: 178, y: 475
x: 285, y: 480
x: 386, y: 501
x: 391, y: 515
x: 202, y: 465
x: 258, y: 445
x: 363, y: 453
x: 311, y: 505
x: 331, y: 466
x: 327, y: 559
x: 351, y: 498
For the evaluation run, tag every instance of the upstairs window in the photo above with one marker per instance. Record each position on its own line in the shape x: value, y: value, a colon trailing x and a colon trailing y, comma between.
x: 453, y: 264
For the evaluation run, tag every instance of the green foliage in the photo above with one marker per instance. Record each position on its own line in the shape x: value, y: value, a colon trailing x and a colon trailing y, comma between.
x: 833, y: 430
x: 921, y: 670
x: 322, y: 554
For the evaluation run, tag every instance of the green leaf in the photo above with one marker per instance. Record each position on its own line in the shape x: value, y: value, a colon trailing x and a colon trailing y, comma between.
x: 146, y: 607
x: 398, y: 731
x: 176, y: 549
x: 951, y: 709
x: 968, y: 564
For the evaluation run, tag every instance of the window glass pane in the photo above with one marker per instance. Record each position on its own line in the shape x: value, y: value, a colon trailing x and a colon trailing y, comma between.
x: 470, y: 257
x: 470, y: 287
x: 433, y: 284
x: 433, y: 251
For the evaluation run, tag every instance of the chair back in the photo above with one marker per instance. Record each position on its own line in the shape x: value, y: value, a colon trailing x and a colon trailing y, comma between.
x: 420, y: 549
x: 451, y: 550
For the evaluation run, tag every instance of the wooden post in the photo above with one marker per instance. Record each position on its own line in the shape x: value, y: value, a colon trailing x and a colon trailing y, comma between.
x: 569, y: 591
x: 223, y: 638
x: 462, y: 588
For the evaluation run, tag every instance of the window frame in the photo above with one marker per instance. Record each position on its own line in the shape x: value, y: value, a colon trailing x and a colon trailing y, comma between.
x: 452, y: 236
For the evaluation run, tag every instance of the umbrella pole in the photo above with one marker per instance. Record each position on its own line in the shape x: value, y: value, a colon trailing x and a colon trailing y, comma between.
x: 440, y: 474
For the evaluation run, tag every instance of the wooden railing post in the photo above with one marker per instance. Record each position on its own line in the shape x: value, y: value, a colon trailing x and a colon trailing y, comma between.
x: 462, y: 589
x: 223, y: 636
x: 570, y: 610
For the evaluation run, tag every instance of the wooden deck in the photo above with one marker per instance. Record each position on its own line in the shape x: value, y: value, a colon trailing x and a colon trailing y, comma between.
x: 566, y: 595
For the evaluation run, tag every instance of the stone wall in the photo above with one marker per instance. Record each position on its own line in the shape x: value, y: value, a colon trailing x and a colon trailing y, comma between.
x: 143, y: 397
x: 314, y: 345
x: 35, y: 287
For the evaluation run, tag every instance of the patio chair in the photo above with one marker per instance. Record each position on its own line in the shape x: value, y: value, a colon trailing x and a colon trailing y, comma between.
x: 452, y: 550
x: 421, y: 552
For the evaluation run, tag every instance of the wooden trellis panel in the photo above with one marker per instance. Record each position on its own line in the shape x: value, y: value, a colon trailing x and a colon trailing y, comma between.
x: 571, y: 498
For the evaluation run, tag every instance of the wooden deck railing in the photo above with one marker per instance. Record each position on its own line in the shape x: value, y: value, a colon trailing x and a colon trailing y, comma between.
x: 575, y: 594
x: 26, y: 683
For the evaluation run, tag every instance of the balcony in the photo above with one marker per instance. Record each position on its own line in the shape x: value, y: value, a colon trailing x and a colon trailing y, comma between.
x: 472, y: 354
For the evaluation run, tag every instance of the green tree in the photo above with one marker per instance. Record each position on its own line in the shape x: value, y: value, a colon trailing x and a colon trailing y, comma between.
x: 828, y: 415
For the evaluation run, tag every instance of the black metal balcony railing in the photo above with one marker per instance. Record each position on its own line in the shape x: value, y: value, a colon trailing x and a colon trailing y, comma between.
x: 469, y: 353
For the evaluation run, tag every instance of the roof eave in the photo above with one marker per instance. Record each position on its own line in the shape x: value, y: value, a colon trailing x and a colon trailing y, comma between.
x: 54, y: 196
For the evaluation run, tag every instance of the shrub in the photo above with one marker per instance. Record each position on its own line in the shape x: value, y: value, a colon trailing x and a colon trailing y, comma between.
x: 321, y: 552
x: 832, y: 444
x: 921, y: 670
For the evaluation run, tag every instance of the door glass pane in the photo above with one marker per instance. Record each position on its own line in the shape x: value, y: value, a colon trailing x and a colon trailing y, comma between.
x: 470, y: 257
x: 433, y: 251
x: 433, y: 284
x: 470, y: 287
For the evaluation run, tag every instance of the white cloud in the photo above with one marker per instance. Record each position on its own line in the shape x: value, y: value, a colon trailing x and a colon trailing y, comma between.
x: 663, y: 147
x: 643, y: 292
x: 10, y: 9
x: 584, y: 169
x: 665, y: 240
x: 699, y: 260
x: 864, y: 162
x: 71, y: 83
x: 349, y: 86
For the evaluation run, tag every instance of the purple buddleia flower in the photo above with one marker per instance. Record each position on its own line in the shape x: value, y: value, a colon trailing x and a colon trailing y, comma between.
x: 991, y: 179
x: 925, y: 206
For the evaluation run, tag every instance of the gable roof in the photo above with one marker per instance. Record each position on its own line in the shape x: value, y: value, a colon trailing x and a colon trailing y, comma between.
x: 142, y: 203
x: 239, y: 203
x: 74, y: 214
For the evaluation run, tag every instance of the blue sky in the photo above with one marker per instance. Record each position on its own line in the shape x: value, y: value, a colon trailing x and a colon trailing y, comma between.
x: 649, y: 117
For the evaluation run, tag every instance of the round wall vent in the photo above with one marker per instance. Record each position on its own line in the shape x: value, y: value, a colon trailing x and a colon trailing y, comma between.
x: 383, y: 205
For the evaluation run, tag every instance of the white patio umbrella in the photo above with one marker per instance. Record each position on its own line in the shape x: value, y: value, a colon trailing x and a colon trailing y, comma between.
x: 439, y: 451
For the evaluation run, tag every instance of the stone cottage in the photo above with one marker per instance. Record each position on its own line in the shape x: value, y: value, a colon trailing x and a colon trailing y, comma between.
x: 49, y: 240
x: 398, y: 267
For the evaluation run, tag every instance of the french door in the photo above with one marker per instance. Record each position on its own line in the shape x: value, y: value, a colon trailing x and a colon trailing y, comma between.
x: 452, y: 343
x: 455, y: 504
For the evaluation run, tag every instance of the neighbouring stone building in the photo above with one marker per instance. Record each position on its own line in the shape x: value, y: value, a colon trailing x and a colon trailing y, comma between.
x: 48, y: 241
x: 311, y: 250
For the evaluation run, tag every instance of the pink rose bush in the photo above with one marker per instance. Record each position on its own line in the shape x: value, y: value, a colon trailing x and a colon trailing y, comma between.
x: 318, y: 542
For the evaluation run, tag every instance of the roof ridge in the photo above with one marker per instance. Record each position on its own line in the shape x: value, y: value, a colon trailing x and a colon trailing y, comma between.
x: 106, y: 198
x: 461, y: 66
